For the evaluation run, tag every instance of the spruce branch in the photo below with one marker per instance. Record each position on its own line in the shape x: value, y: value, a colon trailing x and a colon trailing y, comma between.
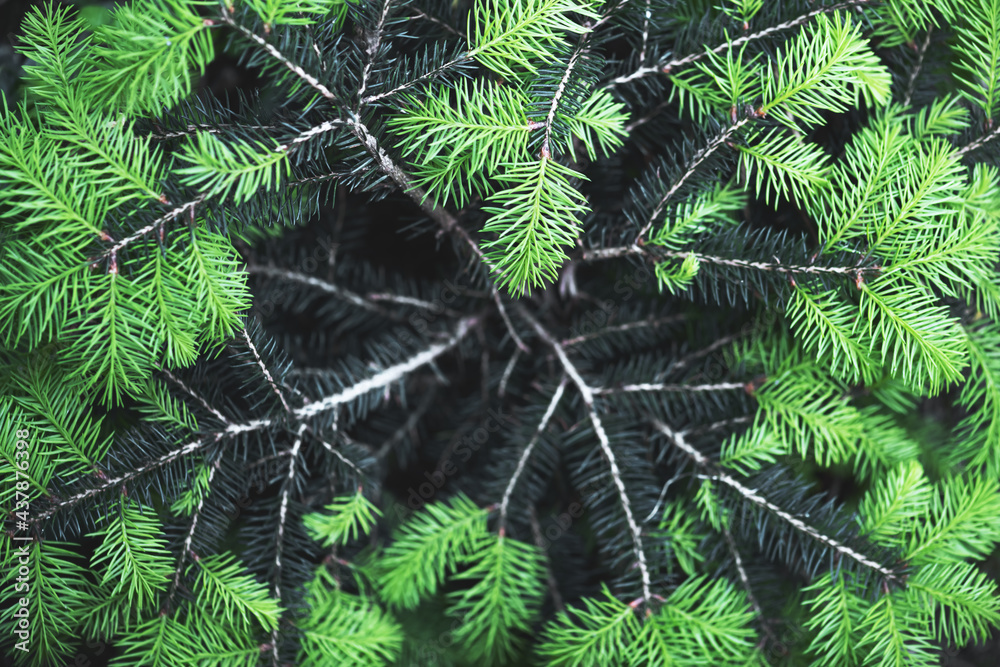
x: 506, y: 36
x: 447, y: 222
x: 978, y: 143
x: 192, y: 129
x: 909, y: 326
x: 534, y: 219
x: 330, y: 288
x: 437, y: 213
x: 645, y: 33
x: 581, y: 48
x: 655, y: 512
x: 653, y: 323
x: 870, y: 286
x: 155, y: 226
x: 775, y: 267
x: 609, y: 625
x: 502, y: 389
x: 296, y: 69
x: 526, y: 454
x: 813, y: 70
x: 413, y: 83
x: 425, y: 548
x: 745, y: 580
x: 504, y: 598
x: 373, y: 42
x: 690, y: 168
x: 119, y: 481
x: 672, y: 66
x: 186, y: 551
x: 461, y: 133
x: 978, y: 49
x: 420, y: 304
x: 724, y: 424
x: 343, y: 459
x: 825, y: 325
x: 306, y: 135
x: 587, y: 394
x: 497, y: 35
x: 915, y: 70
x: 279, y: 540
x: 380, y: 380
x: 629, y: 388
x: 344, y: 520
x: 389, y: 375
x: 196, y: 396
x: 167, y: 40
x: 754, y: 497
x: 350, y: 629
x: 264, y: 370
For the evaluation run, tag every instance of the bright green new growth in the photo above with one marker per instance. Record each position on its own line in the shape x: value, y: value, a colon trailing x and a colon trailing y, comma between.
x: 427, y: 548
x: 233, y: 596
x: 534, y: 220
x: 503, y: 601
x: 929, y: 225
x: 349, y: 518
x: 937, y: 235
x: 484, y: 138
x: 117, y: 324
x: 345, y: 629
x: 132, y: 557
x: 944, y: 592
x: 304, y: 12
x: 156, y: 49
x: 510, y: 37
x: 699, y: 621
x: 216, y: 168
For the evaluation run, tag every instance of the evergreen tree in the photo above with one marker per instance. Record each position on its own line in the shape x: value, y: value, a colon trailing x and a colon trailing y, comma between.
x: 495, y: 332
